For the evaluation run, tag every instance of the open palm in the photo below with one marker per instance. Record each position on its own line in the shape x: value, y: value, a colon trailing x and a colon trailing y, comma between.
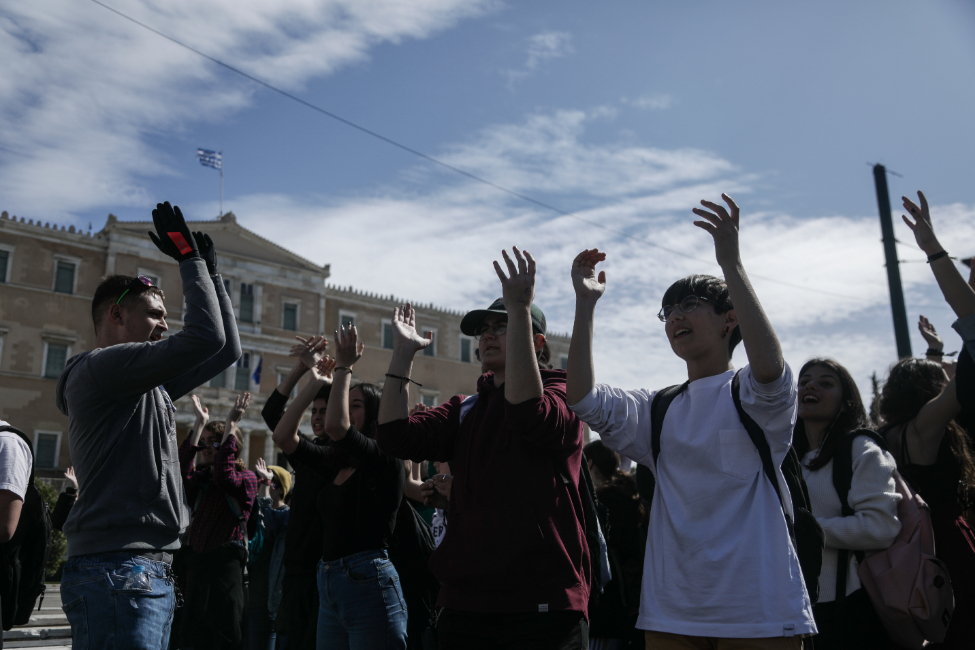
x: 405, y: 336
x: 584, y: 279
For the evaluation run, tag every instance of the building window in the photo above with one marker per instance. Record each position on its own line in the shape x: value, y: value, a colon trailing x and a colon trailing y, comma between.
x: 346, y: 319
x: 64, y: 277
x: 289, y: 318
x: 563, y: 361
x: 4, y: 258
x: 429, y: 400
x: 246, y: 303
x: 466, y: 349
x: 226, y: 285
x: 220, y: 381
x: 431, y: 350
x: 55, y: 356
x: 47, y: 445
x: 242, y: 380
x: 388, y: 335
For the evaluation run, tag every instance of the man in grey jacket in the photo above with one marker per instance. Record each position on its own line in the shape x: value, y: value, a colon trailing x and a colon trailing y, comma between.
x: 118, y: 588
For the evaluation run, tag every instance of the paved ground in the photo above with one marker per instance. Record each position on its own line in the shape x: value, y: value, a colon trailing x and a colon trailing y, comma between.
x: 48, y: 628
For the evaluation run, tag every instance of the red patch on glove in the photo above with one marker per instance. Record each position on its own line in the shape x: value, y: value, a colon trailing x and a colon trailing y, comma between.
x: 180, y: 242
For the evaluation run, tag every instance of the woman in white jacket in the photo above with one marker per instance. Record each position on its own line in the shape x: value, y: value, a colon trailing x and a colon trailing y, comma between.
x: 829, y: 410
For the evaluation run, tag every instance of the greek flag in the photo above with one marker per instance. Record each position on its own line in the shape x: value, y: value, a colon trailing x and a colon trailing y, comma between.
x: 210, y: 158
x: 257, y: 373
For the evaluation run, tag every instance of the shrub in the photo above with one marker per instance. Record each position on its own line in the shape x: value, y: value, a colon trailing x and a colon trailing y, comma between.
x: 59, y: 545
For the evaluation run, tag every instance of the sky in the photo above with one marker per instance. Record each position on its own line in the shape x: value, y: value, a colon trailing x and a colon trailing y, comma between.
x: 623, y: 115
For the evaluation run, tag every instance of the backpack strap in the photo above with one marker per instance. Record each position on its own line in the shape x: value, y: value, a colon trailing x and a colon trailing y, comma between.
x: 658, y: 411
x: 842, y: 482
x: 758, y: 439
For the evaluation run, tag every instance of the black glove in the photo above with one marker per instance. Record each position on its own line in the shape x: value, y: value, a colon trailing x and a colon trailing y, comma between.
x: 172, y: 236
x: 207, y: 251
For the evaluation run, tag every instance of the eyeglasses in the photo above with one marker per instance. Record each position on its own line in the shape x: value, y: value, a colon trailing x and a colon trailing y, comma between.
x: 687, y: 305
x: 142, y: 280
x: 498, y: 330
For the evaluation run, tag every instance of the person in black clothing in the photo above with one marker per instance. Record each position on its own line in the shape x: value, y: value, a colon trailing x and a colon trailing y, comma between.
x: 612, y: 622
x: 361, y: 603
x: 298, y: 612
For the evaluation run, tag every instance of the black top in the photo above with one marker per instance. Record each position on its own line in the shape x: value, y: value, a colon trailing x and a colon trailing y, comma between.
x: 360, y: 514
x: 303, y: 544
x: 936, y: 483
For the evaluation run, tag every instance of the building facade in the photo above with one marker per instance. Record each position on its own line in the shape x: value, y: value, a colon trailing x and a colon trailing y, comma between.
x: 48, y: 276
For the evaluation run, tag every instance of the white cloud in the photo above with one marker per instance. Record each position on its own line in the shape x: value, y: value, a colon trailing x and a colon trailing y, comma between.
x: 439, y: 247
x: 84, y: 90
x: 650, y: 102
x: 542, y: 47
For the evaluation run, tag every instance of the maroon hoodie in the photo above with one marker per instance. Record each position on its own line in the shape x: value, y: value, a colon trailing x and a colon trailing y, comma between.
x: 515, y: 539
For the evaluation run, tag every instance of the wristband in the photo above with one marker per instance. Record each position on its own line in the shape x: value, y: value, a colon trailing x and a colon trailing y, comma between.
x: 934, y: 353
x: 937, y: 256
x: 264, y: 481
x: 342, y: 368
x: 403, y: 380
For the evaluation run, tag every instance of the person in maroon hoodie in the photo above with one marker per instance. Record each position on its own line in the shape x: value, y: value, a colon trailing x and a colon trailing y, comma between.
x: 514, y: 564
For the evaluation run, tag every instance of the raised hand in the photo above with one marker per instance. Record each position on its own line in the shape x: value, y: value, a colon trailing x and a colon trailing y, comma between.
x: 584, y: 280
x: 405, y: 336
x: 72, y: 479
x: 202, y: 412
x: 723, y: 227
x: 237, y: 412
x: 260, y: 468
x: 518, y: 286
x: 930, y: 334
x: 172, y: 236
x: 921, y: 226
x: 323, y: 369
x: 207, y: 251
x: 348, y: 348
x: 419, y: 408
x: 309, y: 351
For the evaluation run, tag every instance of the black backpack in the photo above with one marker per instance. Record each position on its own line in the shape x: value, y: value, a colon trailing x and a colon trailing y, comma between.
x: 410, y: 554
x: 807, y: 535
x: 23, y: 560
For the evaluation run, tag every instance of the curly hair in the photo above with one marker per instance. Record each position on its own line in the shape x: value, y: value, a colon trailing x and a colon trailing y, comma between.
x: 218, y: 429
x: 910, y: 385
x: 852, y: 415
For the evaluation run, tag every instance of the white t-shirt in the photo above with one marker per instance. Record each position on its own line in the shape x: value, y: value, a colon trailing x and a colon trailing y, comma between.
x: 719, y: 561
x: 14, y: 463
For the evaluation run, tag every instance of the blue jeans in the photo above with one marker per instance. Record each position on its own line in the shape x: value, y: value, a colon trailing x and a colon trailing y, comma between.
x: 361, y: 604
x: 103, y: 614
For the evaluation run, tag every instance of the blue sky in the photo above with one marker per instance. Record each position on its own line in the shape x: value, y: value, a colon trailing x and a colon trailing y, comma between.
x: 626, y: 112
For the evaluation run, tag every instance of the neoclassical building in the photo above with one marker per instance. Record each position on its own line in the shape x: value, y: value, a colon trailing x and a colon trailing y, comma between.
x: 49, y: 274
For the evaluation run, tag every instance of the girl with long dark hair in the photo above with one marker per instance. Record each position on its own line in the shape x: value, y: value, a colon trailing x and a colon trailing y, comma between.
x: 361, y: 603
x: 830, y: 410
x: 918, y: 406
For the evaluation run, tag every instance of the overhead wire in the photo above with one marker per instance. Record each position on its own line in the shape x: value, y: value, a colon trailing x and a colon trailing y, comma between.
x: 448, y: 166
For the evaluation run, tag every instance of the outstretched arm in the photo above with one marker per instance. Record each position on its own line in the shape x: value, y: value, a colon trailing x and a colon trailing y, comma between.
x: 285, y: 433
x: 522, y: 380
x: 202, y: 417
x: 395, y: 404
x: 761, y: 345
x: 581, y: 375
x: 958, y: 293
x: 348, y: 350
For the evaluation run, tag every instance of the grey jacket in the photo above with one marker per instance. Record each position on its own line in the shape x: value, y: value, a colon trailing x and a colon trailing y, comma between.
x: 122, y: 427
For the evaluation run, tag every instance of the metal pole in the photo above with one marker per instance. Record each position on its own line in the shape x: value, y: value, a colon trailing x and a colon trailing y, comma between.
x: 221, y: 183
x: 897, y: 305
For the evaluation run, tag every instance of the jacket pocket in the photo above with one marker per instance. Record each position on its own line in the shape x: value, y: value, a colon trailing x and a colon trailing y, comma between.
x: 739, y: 457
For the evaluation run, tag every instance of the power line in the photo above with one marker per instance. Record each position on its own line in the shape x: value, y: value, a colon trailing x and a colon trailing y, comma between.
x: 443, y: 164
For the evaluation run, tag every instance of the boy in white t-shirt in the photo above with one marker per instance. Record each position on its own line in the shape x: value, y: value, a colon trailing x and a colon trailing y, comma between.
x: 719, y: 562
x: 15, y: 461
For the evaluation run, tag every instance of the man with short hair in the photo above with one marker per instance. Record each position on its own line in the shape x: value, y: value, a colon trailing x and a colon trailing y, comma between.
x: 15, y: 469
x: 720, y: 568
x: 117, y: 587
x: 514, y: 562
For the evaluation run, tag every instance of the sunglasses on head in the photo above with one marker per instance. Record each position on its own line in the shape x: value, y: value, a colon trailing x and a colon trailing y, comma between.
x: 140, y: 281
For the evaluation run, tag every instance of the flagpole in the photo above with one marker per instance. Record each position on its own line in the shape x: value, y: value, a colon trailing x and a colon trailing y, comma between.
x: 221, y: 182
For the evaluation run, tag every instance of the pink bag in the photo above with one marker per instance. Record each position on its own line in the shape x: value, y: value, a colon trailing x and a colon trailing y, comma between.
x: 908, y: 586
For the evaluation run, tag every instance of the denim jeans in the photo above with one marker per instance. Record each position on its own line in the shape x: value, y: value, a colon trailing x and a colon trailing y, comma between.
x: 361, y: 603
x: 105, y: 615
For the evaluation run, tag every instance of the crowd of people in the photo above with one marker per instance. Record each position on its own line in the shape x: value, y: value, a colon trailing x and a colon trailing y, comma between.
x: 757, y: 506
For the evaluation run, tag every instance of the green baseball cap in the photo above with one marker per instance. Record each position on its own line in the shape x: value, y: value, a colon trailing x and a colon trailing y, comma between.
x: 473, y: 320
